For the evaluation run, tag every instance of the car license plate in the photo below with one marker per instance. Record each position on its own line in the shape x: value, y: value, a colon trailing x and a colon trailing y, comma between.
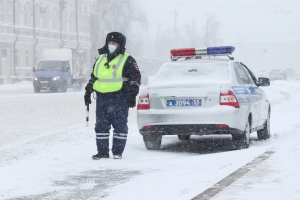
x: 184, y: 102
x: 44, y: 82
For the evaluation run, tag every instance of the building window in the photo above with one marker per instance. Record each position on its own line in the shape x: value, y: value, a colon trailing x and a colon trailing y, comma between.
x: 64, y: 21
x: 44, y: 10
x: 1, y: 11
x: 17, y: 10
x: 4, y: 53
x: 37, y: 16
x: 28, y: 15
x: 9, y: 11
x: 36, y: 57
x: 55, y: 19
x: 41, y: 22
x: 27, y: 58
x: 72, y: 22
x: 16, y: 58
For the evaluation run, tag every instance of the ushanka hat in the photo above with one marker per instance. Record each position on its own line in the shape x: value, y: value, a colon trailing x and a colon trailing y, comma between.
x: 115, y: 37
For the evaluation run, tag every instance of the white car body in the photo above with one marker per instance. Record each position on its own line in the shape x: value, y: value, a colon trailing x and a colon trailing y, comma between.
x: 201, y: 80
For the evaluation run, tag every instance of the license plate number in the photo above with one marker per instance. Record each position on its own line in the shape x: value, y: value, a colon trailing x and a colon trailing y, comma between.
x: 184, y: 102
x: 44, y: 82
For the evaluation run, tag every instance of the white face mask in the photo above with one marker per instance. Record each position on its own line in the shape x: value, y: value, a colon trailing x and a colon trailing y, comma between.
x: 111, y: 48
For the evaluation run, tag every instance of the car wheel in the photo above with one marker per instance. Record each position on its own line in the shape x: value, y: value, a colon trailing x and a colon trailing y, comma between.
x: 242, y: 141
x: 264, y: 133
x: 184, y: 137
x: 54, y: 89
x: 36, y: 89
x: 64, y: 87
x: 152, y: 142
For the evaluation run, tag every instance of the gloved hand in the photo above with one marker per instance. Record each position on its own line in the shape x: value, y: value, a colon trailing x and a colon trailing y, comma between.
x: 87, y: 98
x: 131, y: 101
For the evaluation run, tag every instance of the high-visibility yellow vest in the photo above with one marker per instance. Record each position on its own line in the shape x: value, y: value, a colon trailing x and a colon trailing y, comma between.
x: 109, y: 79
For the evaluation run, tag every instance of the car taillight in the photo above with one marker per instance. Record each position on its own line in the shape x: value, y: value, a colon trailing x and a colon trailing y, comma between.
x: 222, y: 125
x: 147, y: 127
x: 228, y: 98
x: 144, y: 103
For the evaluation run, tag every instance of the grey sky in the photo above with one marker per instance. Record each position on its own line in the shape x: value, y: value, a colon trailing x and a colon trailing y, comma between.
x: 265, y: 30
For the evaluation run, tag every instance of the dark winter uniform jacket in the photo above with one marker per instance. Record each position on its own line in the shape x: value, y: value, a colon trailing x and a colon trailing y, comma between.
x: 130, y: 70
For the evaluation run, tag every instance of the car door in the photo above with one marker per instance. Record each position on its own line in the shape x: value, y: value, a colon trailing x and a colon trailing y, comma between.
x: 261, y: 97
x: 252, y: 92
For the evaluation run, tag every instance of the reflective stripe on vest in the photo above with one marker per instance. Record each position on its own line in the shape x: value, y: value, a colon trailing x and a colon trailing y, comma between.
x: 109, y: 78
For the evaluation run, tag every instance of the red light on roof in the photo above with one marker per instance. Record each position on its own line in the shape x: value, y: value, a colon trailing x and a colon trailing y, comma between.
x: 183, y: 52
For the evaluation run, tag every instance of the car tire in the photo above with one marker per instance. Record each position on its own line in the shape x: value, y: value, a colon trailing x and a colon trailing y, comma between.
x: 153, y: 141
x: 64, y: 87
x: 184, y: 137
x: 37, y: 89
x: 242, y: 141
x: 264, y: 133
x: 54, y: 89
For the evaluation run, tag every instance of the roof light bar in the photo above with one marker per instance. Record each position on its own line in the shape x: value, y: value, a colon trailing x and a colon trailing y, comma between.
x: 222, y: 50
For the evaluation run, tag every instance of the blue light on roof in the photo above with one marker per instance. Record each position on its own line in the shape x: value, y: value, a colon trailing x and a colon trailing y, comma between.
x: 220, y: 50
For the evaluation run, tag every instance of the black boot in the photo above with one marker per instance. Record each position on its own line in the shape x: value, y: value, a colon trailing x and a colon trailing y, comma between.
x: 99, y: 156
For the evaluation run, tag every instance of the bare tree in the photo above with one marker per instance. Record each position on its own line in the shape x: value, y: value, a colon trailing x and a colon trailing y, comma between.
x: 211, y: 36
x: 193, y: 35
x: 122, y: 16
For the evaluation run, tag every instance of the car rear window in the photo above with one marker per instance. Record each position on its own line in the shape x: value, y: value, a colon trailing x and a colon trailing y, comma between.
x: 181, y: 73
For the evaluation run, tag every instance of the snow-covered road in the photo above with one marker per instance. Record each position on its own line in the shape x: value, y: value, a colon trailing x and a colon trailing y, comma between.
x: 46, y: 149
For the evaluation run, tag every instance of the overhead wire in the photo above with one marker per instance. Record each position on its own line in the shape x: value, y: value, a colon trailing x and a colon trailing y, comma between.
x: 286, y: 13
x: 268, y: 7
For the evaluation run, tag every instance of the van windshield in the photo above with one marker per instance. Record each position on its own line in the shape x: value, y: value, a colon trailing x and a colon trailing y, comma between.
x: 53, y: 65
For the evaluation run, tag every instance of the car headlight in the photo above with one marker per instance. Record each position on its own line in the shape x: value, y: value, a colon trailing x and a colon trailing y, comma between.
x: 56, y: 78
x: 35, y: 78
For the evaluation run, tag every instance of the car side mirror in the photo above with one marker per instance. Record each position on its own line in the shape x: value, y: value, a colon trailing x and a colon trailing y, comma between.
x: 263, y: 81
x: 33, y: 69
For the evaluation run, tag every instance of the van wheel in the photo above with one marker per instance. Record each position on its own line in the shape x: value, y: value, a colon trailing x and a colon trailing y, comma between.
x: 152, y: 141
x: 64, y: 87
x: 264, y: 133
x: 242, y: 141
x: 184, y: 137
x: 37, y: 89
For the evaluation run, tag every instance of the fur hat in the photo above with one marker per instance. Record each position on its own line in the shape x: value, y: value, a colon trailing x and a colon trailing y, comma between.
x: 116, y: 37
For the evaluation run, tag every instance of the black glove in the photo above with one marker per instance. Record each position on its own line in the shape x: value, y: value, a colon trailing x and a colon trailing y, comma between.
x: 131, y: 101
x: 87, y: 98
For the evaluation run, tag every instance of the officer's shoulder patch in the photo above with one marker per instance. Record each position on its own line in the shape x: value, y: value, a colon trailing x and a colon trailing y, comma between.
x: 136, y: 66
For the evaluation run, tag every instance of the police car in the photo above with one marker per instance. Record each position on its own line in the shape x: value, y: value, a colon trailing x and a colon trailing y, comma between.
x: 199, y: 92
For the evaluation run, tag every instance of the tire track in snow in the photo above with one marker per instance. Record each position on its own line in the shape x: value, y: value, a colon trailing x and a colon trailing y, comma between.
x: 225, y: 182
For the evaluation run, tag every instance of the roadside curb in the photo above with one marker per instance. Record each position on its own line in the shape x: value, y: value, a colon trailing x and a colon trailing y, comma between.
x: 225, y: 182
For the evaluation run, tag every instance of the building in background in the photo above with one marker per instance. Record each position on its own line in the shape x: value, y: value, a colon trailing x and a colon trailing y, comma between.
x: 28, y: 26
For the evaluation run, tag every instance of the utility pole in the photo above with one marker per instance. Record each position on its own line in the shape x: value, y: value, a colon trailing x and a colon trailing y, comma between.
x: 62, y: 7
x: 34, y: 36
x: 175, y: 23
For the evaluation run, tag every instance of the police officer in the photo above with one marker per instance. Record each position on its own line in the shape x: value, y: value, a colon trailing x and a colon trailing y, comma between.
x: 115, y: 79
